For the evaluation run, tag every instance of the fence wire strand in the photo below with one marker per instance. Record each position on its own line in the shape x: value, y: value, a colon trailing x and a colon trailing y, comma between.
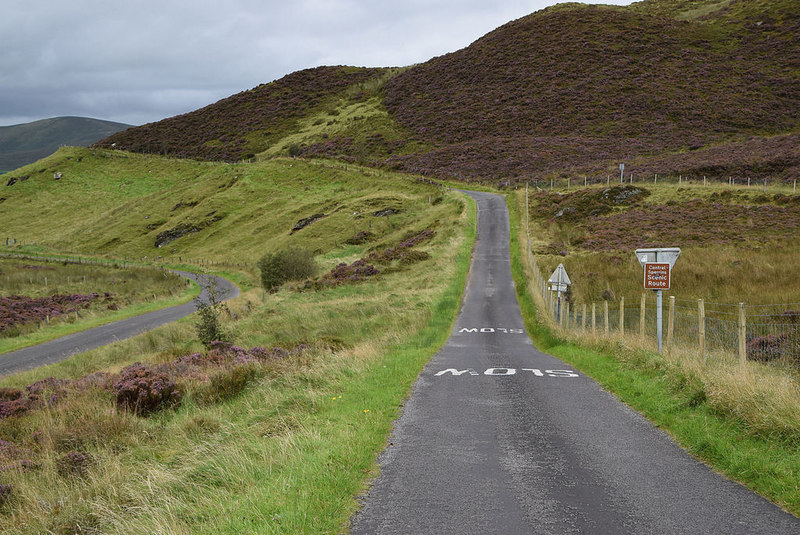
x: 771, y: 331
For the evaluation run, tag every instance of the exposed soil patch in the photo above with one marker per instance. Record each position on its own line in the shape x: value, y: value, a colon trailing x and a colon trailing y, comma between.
x: 306, y: 221
x: 174, y: 233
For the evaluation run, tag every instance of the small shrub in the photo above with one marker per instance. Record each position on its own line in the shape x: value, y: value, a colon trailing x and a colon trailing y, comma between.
x: 209, y: 327
x: 14, y: 407
x: 360, y: 238
x: 282, y: 266
x: 142, y: 390
x: 228, y: 383
x: 358, y: 271
x: 74, y: 463
x: 5, y: 493
x: 767, y: 348
x: 10, y: 394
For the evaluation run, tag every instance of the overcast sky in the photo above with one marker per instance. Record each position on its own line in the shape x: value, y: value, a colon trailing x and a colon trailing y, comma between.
x: 139, y: 61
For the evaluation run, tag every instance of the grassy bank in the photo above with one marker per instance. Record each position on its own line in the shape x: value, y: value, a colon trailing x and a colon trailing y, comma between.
x: 131, y: 291
x: 744, y: 427
x: 285, y: 448
x: 128, y: 205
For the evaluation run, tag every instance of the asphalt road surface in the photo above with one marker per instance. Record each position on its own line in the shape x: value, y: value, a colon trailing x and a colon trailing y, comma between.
x: 62, y: 348
x: 498, y: 437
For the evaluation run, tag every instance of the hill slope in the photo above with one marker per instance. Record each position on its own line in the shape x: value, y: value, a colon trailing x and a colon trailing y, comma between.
x: 239, y: 126
x: 570, y: 89
x: 25, y: 143
x: 132, y: 205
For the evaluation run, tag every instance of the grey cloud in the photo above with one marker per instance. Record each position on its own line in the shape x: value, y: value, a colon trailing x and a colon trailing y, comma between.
x: 142, y: 61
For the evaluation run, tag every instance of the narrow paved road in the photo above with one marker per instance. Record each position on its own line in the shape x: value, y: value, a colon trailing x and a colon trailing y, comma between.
x: 64, y: 347
x: 498, y: 437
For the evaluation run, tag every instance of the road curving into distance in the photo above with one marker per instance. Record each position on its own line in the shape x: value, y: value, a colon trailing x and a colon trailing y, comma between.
x: 498, y: 437
x: 66, y: 346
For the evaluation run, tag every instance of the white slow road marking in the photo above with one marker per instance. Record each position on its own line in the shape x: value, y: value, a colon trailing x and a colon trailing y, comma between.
x: 503, y: 371
x: 489, y: 330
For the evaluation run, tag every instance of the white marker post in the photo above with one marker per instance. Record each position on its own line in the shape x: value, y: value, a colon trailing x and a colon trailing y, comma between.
x: 657, y: 264
x: 621, y: 173
x: 559, y: 281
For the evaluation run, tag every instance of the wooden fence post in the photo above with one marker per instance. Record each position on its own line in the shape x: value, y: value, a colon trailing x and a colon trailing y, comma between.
x: 642, y: 304
x: 670, y: 324
x: 605, y: 315
x: 622, y: 317
x: 594, y: 324
x: 583, y: 317
x: 742, y: 336
x: 701, y: 326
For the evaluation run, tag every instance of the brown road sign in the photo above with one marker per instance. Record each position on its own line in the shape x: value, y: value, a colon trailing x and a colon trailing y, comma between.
x: 656, y: 276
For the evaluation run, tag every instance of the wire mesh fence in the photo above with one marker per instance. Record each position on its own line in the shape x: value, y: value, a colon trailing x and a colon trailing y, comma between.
x: 718, y: 333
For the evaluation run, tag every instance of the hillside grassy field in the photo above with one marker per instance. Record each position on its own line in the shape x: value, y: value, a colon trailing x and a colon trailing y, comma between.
x: 275, y: 434
x: 138, y: 206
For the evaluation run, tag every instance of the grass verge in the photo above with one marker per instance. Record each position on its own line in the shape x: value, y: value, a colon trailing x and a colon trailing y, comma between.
x: 676, y: 399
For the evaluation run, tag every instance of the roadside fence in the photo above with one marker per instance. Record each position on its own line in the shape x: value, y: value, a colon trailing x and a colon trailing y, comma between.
x: 715, y: 333
x: 158, y: 261
x: 765, y: 185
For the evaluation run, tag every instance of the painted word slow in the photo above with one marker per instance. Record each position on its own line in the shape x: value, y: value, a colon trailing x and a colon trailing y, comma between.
x: 490, y: 330
x: 510, y: 371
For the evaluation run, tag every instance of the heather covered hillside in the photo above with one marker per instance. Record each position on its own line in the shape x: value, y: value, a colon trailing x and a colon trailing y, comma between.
x: 578, y: 86
x: 667, y: 86
x: 239, y: 126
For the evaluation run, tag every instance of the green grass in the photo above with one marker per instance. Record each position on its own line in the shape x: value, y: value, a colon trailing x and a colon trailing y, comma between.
x: 117, y: 204
x: 682, y: 401
x: 281, y: 451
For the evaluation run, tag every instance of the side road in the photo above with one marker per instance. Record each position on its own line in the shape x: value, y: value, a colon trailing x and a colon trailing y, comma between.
x: 63, y: 348
x: 498, y: 437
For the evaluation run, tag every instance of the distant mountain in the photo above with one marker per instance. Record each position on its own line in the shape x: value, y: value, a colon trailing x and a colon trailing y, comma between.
x: 666, y: 86
x: 25, y: 143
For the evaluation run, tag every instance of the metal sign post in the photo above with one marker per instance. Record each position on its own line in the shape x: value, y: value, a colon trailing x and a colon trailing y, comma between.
x: 559, y: 281
x: 657, y: 264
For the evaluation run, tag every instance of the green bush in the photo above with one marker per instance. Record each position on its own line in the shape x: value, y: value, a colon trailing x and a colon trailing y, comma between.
x: 209, y: 309
x: 208, y: 325
x: 287, y: 265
